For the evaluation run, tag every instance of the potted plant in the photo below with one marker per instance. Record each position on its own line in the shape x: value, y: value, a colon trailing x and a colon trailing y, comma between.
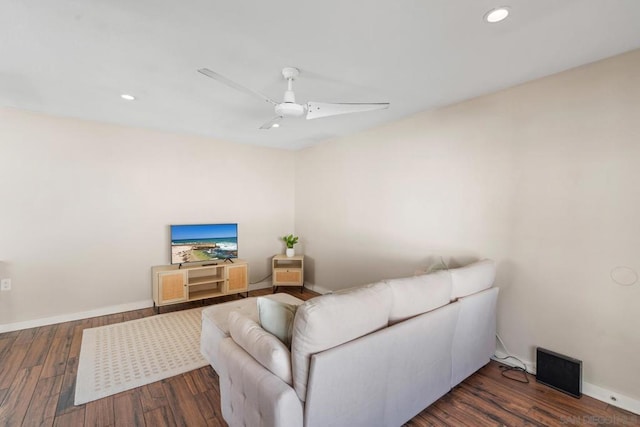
x: 290, y: 240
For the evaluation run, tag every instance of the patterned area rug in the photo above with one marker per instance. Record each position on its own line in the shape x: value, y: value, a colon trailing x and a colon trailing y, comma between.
x: 126, y: 355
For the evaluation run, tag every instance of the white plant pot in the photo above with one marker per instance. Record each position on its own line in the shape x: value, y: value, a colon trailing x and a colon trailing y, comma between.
x: 291, y: 252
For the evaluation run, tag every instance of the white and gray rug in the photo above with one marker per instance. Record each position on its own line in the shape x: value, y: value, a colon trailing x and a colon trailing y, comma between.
x: 126, y: 355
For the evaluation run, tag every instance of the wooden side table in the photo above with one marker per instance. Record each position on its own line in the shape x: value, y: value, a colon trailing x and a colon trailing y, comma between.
x: 287, y: 271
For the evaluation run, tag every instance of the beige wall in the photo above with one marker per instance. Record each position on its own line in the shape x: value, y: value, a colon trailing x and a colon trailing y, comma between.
x: 85, y: 208
x: 543, y: 177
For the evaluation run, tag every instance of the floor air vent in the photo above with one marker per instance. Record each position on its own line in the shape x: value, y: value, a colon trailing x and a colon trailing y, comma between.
x: 558, y: 371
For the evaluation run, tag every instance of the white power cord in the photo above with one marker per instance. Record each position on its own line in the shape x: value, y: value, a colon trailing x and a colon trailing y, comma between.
x: 509, y: 356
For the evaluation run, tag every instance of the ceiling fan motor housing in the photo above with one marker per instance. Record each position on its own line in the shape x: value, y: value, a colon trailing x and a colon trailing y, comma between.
x: 290, y: 109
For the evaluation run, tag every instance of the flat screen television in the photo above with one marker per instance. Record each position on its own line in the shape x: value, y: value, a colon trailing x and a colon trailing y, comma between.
x: 203, y: 242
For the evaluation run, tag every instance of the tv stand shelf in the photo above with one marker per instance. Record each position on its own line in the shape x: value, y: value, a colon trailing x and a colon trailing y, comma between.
x: 173, y: 284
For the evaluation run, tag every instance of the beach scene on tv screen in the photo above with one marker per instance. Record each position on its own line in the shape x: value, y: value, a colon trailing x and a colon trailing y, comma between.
x: 196, y: 243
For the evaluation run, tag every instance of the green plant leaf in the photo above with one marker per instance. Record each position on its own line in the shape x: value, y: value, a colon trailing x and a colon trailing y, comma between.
x: 290, y: 240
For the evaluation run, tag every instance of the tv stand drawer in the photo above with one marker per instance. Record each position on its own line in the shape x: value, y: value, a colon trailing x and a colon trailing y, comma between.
x: 288, y: 276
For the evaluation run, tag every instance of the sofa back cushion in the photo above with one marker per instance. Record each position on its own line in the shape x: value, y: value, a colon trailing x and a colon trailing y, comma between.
x: 330, y: 320
x: 419, y: 294
x: 264, y: 347
x: 277, y: 318
x: 472, y: 278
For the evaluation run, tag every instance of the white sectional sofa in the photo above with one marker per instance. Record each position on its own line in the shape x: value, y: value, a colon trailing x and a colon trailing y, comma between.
x: 215, y: 323
x: 375, y: 355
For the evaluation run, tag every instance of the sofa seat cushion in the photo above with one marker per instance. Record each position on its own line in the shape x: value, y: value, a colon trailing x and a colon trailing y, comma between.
x: 330, y: 320
x: 473, y: 278
x: 419, y: 294
x: 264, y: 347
x: 215, y: 325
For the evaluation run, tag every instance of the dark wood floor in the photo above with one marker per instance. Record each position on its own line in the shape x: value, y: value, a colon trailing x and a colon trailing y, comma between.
x: 38, y: 371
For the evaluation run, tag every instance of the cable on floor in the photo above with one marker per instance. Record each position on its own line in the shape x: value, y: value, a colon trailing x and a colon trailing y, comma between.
x: 506, y: 369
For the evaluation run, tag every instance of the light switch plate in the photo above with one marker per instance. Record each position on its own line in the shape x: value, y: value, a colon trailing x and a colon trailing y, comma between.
x: 5, y: 285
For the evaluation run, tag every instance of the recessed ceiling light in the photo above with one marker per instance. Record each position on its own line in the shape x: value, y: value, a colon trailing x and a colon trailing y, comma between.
x: 496, y: 15
x: 275, y: 125
x: 128, y: 97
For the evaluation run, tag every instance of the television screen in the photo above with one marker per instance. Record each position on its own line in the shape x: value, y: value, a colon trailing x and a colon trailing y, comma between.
x: 203, y: 242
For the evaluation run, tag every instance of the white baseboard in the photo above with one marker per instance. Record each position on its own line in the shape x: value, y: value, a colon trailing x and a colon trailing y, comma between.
x: 113, y: 309
x: 268, y: 284
x: 260, y: 285
x: 317, y: 288
x: 611, y: 397
x: 8, y: 327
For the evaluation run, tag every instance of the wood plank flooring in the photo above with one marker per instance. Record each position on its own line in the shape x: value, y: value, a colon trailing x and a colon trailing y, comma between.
x: 38, y: 370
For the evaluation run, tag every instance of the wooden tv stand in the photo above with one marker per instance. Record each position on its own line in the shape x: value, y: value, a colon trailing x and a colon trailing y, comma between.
x: 173, y: 284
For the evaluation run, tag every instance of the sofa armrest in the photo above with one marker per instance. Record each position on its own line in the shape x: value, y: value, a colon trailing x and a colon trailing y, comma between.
x: 474, y: 340
x: 264, y: 347
x: 251, y: 395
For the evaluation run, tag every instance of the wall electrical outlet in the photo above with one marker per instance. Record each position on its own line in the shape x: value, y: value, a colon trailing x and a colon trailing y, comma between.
x: 5, y: 285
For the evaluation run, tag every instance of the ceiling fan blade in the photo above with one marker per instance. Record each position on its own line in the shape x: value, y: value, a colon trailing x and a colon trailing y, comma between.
x: 237, y: 86
x: 316, y: 110
x: 272, y: 123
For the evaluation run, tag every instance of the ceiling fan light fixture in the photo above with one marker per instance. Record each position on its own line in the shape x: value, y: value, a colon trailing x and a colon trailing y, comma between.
x: 275, y: 125
x: 496, y: 15
x: 128, y: 97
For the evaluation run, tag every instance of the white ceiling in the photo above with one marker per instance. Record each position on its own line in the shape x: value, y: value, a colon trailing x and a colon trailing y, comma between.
x: 75, y: 57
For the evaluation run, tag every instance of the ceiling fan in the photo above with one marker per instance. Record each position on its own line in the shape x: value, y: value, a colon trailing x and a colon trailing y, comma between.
x: 289, y: 108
